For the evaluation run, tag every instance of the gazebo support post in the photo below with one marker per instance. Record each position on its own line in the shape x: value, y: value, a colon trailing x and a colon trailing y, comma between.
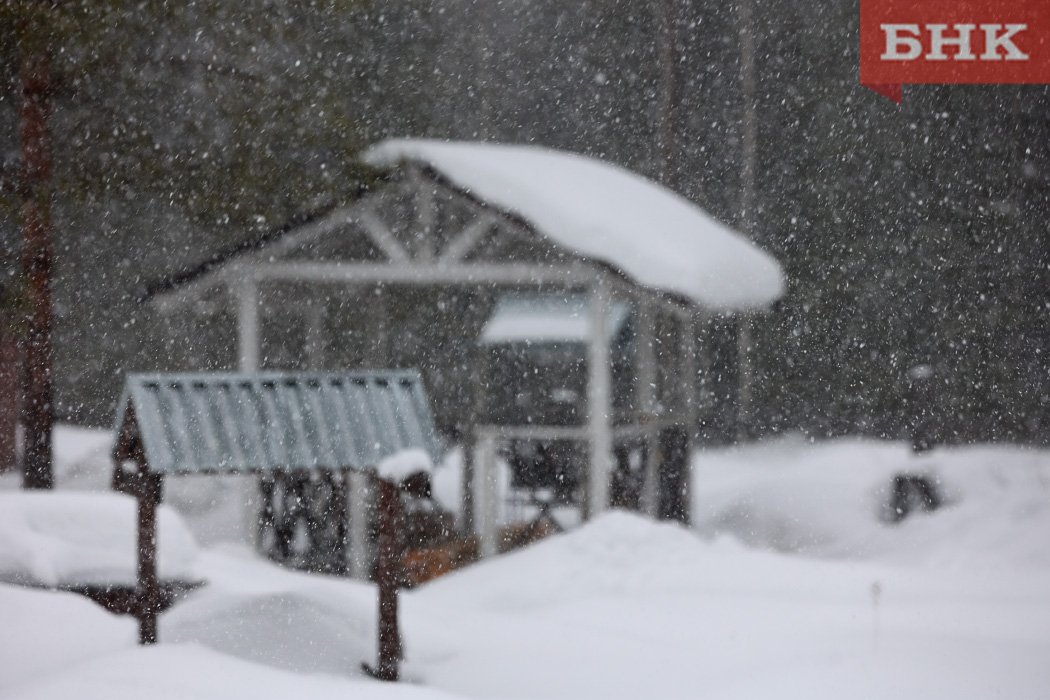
x: 486, y: 493
x: 691, y: 389
x: 358, y: 496
x: 599, y: 403
x: 645, y: 397
x: 246, y: 293
x: 744, y: 428
x: 388, y: 579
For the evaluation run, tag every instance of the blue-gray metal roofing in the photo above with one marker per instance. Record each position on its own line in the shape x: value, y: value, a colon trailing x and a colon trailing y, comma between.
x: 252, y: 422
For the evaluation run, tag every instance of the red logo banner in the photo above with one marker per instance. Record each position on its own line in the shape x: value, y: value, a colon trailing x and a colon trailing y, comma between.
x: 953, y: 41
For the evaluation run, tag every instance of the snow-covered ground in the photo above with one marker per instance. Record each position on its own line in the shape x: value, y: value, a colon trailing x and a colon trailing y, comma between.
x: 790, y: 584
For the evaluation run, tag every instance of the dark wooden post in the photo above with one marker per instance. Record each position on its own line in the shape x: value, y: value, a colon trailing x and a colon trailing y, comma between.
x: 10, y: 378
x: 148, y: 596
x: 36, y: 253
x: 388, y: 578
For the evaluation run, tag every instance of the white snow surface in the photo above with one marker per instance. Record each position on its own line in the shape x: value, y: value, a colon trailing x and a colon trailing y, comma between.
x: 789, y: 585
x: 403, y: 464
x: 605, y: 212
x: 829, y: 500
x: 55, y: 539
x: 538, y: 318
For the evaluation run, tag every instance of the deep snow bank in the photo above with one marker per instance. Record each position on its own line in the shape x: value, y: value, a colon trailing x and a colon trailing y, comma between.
x: 258, y: 611
x: 181, y: 671
x: 829, y: 499
x: 57, y: 538
x: 42, y: 632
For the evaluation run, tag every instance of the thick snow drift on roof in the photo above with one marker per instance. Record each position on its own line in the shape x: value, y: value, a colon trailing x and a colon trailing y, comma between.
x: 57, y: 539
x: 605, y: 212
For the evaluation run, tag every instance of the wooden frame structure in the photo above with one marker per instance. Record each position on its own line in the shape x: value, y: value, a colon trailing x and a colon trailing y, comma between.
x: 260, y: 423
x: 422, y: 230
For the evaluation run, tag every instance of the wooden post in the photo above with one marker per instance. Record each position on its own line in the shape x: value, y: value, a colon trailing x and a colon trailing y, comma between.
x: 37, y: 400
x: 479, y: 401
x: 148, y: 594
x: 10, y: 371
x: 358, y: 498
x: 486, y: 494
x: 645, y: 395
x: 388, y: 578
x: 247, y: 325
x: 743, y: 422
x: 250, y: 486
x: 690, y: 364
x: 315, y: 342
x: 599, y: 403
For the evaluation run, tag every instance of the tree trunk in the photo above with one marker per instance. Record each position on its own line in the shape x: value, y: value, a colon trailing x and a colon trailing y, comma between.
x: 36, y: 256
x: 667, y: 53
x: 10, y: 376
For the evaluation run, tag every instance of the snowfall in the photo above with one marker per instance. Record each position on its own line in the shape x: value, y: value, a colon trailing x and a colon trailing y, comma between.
x: 790, y: 583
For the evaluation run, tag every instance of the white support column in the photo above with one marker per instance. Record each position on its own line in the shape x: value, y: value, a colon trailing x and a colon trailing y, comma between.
x: 744, y: 350
x: 486, y: 494
x: 645, y: 395
x: 247, y: 486
x: 378, y: 353
x: 315, y: 340
x: 690, y: 365
x: 599, y: 403
x: 358, y: 498
x: 691, y: 375
x: 247, y: 294
x: 426, y: 213
x: 705, y: 360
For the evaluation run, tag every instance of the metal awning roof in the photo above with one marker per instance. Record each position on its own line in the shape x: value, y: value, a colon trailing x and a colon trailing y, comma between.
x: 546, y: 318
x: 267, y: 421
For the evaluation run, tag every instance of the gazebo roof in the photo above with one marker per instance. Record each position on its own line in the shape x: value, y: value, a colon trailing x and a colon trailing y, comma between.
x: 265, y: 421
x: 607, y: 213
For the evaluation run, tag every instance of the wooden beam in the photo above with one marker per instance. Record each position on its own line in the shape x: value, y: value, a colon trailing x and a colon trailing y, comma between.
x: 645, y: 398
x: 386, y: 273
x: 381, y: 235
x: 464, y: 241
x: 426, y: 212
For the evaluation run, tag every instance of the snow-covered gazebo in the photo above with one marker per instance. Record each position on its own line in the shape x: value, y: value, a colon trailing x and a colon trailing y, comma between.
x: 492, y: 219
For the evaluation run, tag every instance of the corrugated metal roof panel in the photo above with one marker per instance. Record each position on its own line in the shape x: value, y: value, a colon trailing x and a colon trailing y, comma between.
x: 250, y: 422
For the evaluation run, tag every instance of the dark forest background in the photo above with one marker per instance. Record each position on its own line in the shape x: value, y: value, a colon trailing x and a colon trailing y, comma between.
x: 910, y: 234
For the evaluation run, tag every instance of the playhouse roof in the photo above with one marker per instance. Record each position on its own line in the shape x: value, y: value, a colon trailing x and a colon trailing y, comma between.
x: 544, y: 318
x: 607, y: 213
x: 265, y: 421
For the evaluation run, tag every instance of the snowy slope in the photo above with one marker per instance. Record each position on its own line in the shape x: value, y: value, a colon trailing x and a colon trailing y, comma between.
x: 44, y: 632
x: 608, y: 213
x: 789, y: 586
x: 626, y: 608
x: 64, y: 538
x: 829, y: 500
